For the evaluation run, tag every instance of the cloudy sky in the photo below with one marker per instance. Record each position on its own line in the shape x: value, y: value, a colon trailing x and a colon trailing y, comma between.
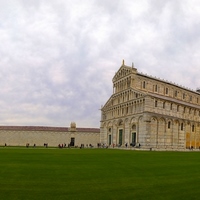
x: 58, y: 57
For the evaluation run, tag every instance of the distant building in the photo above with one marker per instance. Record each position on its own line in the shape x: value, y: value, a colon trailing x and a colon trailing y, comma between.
x: 52, y: 136
x: 149, y: 112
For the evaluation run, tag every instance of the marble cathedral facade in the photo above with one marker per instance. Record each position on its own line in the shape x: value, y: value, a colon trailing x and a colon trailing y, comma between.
x: 149, y: 112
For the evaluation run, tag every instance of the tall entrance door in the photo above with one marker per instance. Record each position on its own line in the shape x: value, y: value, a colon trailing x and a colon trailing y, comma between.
x: 109, y: 139
x: 120, y: 136
x: 72, y: 142
x: 133, y: 138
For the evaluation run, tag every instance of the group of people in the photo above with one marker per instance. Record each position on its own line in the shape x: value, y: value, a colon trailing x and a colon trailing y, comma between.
x: 81, y: 146
x: 99, y: 145
x: 46, y: 145
x: 62, y: 145
x: 27, y: 145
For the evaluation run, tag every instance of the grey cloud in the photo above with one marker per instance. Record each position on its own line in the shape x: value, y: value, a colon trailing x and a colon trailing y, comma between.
x: 57, y: 59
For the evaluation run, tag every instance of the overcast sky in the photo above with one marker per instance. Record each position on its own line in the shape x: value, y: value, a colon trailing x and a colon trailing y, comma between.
x: 58, y: 57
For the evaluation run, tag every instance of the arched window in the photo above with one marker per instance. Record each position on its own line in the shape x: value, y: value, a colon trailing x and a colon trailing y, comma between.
x: 192, y: 128
x: 156, y: 88
x: 144, y: 84
x: 181, y: 126
x: 169, y: 125
x: 166, y: 91
x: 134, y: 127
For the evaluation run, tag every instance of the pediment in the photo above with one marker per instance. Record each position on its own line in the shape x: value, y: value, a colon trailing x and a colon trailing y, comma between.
x: 136, y: 94
x: 123, y: 72
x: 109, y: 103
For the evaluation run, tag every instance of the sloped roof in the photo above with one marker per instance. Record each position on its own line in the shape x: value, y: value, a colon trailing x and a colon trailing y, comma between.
x: 93, y: 130
x: 45, y: 128
x: 173, y: 100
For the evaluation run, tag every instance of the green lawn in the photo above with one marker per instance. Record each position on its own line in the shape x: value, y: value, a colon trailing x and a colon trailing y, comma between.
x: 98, y: 174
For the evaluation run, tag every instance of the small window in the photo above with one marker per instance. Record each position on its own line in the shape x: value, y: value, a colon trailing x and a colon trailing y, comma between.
x: 171, y: 106
x: 169, y: 125
x: 178, y: 108
x: 166, y: 91
x: 183, y: 95
x: 176, y: 93
x: 192, y: 128
x: 144, y: 84
x: 190, y: 98
x: 181, y: 126
x: 156, y: 103
x: 156, y: 88
x: 133, y: 127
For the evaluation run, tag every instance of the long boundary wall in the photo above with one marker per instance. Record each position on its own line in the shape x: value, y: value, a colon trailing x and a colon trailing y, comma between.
x: 53, y: 136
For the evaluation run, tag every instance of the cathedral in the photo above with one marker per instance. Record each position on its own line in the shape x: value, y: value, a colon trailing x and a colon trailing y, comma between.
x: 149, y: 112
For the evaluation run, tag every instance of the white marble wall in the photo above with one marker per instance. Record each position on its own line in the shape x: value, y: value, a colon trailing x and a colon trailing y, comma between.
x: 21, y: 138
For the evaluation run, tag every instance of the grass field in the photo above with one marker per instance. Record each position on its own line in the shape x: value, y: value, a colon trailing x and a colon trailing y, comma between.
x: 98, y: 174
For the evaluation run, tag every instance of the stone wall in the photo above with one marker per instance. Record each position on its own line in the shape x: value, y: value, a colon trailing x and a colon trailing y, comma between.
x: 20, y: 136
